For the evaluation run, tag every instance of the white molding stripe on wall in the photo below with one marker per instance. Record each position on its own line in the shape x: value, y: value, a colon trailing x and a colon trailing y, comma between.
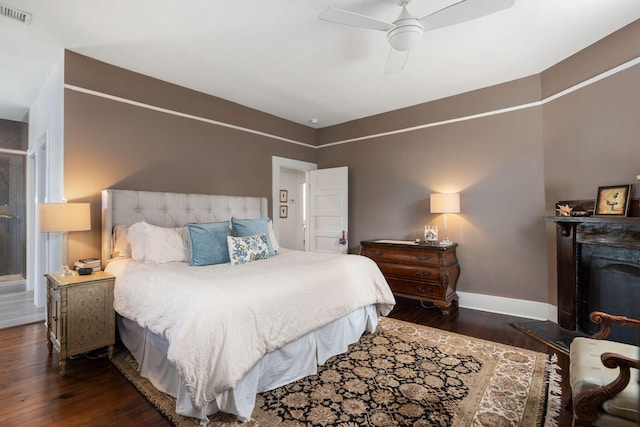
x: 553, y: 97
x: 11, y: 151
x: 185, y: 115
x: 516, y: 307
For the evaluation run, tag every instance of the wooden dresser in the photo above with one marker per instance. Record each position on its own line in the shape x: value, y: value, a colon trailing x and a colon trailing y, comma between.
x: 419, y: 271
x: 80, y: 315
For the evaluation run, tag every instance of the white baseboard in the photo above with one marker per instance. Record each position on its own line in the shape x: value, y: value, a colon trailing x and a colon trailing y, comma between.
x: 509, y: 306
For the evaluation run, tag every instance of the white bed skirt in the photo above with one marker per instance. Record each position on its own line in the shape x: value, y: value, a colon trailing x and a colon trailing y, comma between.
x: 295, y: 360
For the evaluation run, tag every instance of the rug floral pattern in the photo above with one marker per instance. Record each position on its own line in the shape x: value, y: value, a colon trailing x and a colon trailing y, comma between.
x: 404, y: 375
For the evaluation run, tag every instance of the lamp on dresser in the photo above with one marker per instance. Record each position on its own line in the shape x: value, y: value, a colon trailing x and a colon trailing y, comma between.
x: 445, y: 203
x: 63, y: 218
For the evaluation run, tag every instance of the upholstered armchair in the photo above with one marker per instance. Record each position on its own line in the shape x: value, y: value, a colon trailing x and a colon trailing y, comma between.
x: 604, y: 377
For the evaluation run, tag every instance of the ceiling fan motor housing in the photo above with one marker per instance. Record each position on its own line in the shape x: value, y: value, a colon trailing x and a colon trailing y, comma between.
x: 407, y: 33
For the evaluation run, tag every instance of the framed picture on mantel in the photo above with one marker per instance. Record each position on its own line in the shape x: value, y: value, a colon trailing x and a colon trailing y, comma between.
x: 613, y: 200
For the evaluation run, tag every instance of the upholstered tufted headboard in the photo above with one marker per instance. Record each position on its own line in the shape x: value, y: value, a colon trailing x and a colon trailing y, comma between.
x: 171, y: 210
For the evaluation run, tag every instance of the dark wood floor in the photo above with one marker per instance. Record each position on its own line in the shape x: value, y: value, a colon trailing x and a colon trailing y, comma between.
x: 93, y: 393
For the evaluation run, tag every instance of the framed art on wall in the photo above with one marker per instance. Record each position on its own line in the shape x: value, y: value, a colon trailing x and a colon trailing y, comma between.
x: 284, y: 211
x: 613, y: 200
x: 284, y: 195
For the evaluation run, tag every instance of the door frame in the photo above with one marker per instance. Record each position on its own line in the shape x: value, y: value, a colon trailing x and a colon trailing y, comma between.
x: 278, y: 163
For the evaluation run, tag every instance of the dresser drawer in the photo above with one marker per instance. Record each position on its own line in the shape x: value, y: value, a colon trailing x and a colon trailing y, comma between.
x: 415, y: 272
x: 416, y: 289
x: 424, y: 272
x: 402, y: 255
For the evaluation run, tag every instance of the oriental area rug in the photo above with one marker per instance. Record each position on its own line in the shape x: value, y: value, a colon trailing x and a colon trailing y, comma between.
x: 402, y: 375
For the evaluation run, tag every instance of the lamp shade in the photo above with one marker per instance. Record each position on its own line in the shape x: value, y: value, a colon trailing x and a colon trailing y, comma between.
x: 63, y: 217
x: 445, y: 203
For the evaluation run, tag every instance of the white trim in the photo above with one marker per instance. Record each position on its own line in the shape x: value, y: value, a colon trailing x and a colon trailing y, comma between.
x: 185, y: 115
x: 553, y: 97
x: 509, y: 306
x: 562, y: 93
x: 11, y: 151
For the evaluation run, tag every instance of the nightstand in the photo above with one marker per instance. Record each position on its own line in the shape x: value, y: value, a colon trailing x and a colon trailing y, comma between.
x: 80, y: 315
x: 415, y: 270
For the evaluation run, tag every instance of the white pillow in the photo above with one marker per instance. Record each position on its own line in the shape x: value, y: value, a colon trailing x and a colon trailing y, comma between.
x: 272, y: 236
x: 121, y: 246
x: 153, y: 244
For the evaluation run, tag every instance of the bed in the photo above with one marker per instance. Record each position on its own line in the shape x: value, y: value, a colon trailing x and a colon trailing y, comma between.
x: 215, y: 335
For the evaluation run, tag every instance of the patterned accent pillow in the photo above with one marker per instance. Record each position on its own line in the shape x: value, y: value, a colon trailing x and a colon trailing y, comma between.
x: 252, y: 227
x: 247, y: 249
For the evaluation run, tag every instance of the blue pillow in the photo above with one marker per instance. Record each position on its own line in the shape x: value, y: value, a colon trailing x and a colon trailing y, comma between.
x: 251, y: 227
x: 209, y: 242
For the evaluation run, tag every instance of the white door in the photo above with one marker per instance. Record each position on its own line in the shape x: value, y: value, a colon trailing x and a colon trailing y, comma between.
x: 328, y: 223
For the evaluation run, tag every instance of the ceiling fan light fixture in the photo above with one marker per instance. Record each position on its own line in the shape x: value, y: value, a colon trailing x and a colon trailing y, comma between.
x: 405, y: 37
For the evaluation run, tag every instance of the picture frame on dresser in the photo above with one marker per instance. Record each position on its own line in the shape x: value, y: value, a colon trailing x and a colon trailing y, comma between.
x: 613, y: 200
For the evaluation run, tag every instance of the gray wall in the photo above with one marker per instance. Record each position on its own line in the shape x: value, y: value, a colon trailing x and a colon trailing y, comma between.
x: 496, y: 163
x: 510, y: 167
x: 113, y: 144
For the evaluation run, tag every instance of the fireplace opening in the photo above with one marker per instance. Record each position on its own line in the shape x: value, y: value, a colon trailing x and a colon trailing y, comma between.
x: 609, y: 281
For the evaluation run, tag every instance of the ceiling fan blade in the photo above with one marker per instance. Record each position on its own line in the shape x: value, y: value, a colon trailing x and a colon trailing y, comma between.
x: 352, y: 19
x: 463, y: 11
x: 396, y: 61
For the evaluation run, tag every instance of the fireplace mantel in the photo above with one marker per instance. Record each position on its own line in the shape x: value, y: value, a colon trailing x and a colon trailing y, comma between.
x: 620, y: 232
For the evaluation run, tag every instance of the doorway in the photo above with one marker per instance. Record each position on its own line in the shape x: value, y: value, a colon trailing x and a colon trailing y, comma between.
x: 13, y: 151
x: 289, y: 201
x: 310, y: 206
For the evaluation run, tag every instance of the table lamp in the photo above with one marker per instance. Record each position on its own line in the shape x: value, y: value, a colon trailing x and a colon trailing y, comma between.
x: 445, y: 203
x: 63, y: 218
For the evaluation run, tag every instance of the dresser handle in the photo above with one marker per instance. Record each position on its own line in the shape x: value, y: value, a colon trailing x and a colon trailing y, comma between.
x: 421, y: 273
x: 425, y: 289
x: 424, y: 257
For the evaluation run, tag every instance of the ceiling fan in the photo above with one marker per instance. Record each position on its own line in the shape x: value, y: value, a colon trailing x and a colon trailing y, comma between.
x: 406, y: 31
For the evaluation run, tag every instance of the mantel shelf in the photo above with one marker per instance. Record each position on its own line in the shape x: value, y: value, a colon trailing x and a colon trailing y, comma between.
x: 594, y: 219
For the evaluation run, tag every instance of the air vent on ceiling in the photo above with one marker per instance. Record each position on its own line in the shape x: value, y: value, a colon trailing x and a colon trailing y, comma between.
x: 13, y: 13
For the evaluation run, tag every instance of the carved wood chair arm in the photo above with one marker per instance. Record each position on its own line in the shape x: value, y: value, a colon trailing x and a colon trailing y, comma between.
x: 606, y: 320
x: 586, y: 405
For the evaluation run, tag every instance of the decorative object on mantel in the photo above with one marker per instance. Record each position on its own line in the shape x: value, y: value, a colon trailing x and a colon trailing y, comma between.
x: 564, y: 210
x: 580, y: 212
x: 445, y: 203
x: 613, y: 200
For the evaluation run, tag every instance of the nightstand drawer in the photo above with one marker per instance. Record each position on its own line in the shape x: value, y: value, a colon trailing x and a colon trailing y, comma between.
x: 416, y: 272
x: 416, y: 289
x: 408, y: 256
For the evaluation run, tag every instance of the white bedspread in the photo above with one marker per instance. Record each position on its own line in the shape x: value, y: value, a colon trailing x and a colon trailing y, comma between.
x: 220, y: 320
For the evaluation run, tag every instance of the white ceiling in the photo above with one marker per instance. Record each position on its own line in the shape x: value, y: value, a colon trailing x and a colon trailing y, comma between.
x: 276, y: 56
